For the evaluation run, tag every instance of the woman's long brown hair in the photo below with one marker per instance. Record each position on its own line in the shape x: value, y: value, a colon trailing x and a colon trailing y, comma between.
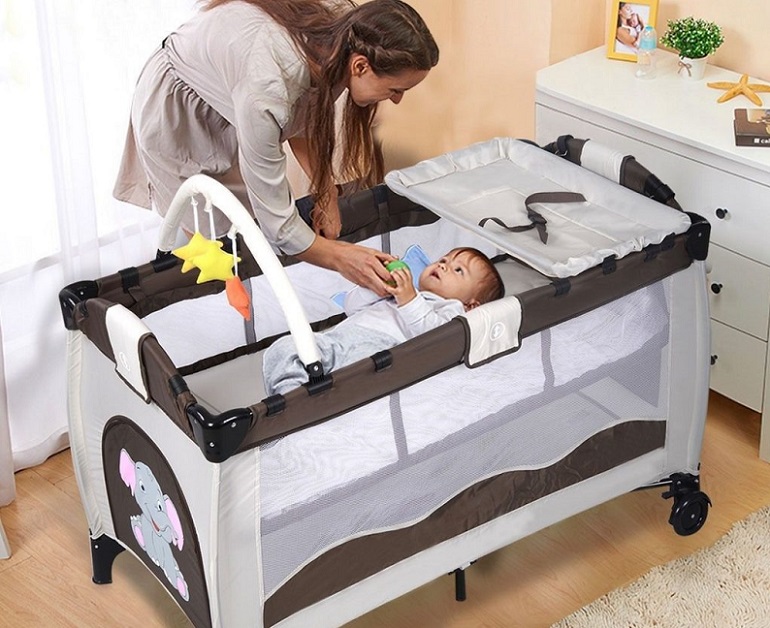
x: 389, y: 33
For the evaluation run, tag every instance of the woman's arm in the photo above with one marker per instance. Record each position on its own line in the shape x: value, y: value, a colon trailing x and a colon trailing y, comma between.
x: 263, y: 166
x: 359, y: 264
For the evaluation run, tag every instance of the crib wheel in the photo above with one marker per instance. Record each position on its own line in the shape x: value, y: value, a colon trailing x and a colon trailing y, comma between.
x: 689, y: 512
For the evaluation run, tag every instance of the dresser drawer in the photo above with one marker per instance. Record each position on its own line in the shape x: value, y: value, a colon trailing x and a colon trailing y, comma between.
x: 739, y: 291
x: 699, y: 188
x: 738, y: 369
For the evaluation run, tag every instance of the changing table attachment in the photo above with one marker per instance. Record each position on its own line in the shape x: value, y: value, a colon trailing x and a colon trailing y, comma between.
x: 589, y: 379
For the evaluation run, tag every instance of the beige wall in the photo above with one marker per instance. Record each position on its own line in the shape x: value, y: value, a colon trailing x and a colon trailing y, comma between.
x: 484, y: 84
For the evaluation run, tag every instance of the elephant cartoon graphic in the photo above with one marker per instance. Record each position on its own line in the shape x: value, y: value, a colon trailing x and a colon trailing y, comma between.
x: 158, y: 526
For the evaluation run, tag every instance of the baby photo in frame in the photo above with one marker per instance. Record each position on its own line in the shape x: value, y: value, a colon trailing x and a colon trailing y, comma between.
x: 626, y: 23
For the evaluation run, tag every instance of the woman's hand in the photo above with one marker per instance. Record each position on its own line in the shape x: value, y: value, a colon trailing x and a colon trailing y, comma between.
x: 359, y: 264
x: 364, y: 266
x: 401, y: 286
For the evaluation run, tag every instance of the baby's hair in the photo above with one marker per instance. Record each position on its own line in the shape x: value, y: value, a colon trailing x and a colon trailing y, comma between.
x: 491, y: 286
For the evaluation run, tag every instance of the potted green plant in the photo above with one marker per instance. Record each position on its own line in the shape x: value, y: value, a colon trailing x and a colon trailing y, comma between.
x: 694, y: 40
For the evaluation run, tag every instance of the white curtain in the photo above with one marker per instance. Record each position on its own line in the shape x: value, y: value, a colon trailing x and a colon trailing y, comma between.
x: 67, y: 72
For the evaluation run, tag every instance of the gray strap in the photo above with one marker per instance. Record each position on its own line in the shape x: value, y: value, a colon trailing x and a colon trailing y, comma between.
x: 536, y: 219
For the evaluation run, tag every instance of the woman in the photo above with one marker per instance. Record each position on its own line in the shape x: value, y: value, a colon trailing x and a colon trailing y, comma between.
x: 630, y: 27
x: 226, y: 89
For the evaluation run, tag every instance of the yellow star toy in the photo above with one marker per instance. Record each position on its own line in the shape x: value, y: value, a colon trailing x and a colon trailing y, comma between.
x: 197, y: 246
x: 214, y: 264
x: 741, y: 87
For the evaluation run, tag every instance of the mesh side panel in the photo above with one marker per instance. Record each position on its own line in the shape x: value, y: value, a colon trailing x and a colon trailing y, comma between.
x: 393, y: 462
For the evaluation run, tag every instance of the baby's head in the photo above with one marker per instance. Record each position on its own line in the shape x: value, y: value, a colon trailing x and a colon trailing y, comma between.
x: 465, y: 274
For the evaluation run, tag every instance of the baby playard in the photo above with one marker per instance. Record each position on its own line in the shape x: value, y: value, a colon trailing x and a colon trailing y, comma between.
x: 587, y: 380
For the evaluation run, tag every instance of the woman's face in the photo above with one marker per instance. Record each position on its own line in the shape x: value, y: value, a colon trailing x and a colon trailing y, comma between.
x: 367, y: 88
x: 626, y: 11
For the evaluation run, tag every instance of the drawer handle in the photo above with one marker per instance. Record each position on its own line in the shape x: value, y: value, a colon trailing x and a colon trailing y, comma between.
x: 716, y: 288
x: 721, y: 213
x: 714, y: 359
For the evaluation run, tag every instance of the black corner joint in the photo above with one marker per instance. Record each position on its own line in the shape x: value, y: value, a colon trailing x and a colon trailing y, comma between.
x: 382, y: 360
x: 219, y: 436
x: 318, y: 381
x: 72, y: 296
x: 103, y: 552
x: 698, y: 237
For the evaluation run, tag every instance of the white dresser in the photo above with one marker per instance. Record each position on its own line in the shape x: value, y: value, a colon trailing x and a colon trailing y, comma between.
x: 675, y: 128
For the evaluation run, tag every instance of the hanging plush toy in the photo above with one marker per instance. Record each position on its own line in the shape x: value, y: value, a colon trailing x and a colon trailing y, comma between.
x: 236, y: 292
x: 214, y: 263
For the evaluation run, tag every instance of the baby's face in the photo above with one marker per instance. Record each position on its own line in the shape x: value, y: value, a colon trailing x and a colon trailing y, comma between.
x: 454, y: 276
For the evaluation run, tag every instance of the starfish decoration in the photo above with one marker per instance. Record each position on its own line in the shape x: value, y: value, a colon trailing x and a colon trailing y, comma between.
x: 197, y: 246
x: 214, y: 264
x: 741, y: 87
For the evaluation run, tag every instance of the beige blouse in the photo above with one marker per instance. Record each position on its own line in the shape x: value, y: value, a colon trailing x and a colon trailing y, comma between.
x: 219, y: 97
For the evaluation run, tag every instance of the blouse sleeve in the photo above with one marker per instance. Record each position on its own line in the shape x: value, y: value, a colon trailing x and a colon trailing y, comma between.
x: 258, y: 120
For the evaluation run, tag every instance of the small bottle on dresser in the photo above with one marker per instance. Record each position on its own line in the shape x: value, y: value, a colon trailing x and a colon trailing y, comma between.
x: 645, y: 58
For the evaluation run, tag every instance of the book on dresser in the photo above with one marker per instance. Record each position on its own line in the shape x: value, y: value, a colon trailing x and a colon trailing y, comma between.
x: 752, y: 127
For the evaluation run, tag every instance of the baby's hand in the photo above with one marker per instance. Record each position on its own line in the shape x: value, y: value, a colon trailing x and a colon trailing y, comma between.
x: 403, y: 287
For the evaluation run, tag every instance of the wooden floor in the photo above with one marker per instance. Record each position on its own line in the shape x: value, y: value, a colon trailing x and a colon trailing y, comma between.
x: 532, y: 583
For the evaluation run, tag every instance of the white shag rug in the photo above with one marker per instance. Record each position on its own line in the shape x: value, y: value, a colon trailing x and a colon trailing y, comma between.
x: 726, y: 585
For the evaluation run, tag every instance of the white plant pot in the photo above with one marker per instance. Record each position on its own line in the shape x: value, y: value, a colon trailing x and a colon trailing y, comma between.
x: 692, y: 69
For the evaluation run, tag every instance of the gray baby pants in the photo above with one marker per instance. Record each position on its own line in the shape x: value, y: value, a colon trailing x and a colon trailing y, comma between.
x: 342, y: 345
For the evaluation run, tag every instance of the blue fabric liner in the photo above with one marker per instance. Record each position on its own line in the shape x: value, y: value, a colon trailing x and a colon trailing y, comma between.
x: 414, y: 257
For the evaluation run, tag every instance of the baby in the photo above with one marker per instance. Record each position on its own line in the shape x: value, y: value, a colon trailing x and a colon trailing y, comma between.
x: 460, y: 281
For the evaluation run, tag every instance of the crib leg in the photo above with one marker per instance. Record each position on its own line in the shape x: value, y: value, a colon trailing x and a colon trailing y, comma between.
x: 460, y: 585
x: 103, y: 553
x: 459, y: 574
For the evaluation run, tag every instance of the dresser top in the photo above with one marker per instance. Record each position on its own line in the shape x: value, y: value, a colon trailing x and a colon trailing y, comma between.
x: 669, y: 105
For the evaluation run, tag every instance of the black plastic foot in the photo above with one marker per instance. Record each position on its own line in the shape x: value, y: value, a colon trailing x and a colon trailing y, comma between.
x: 103, y: 553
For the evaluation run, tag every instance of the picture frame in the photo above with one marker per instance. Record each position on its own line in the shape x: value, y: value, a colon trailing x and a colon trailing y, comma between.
x: 626, y: 23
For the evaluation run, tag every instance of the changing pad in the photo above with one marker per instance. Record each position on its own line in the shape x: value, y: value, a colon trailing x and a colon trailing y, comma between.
x: 488, y: 183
